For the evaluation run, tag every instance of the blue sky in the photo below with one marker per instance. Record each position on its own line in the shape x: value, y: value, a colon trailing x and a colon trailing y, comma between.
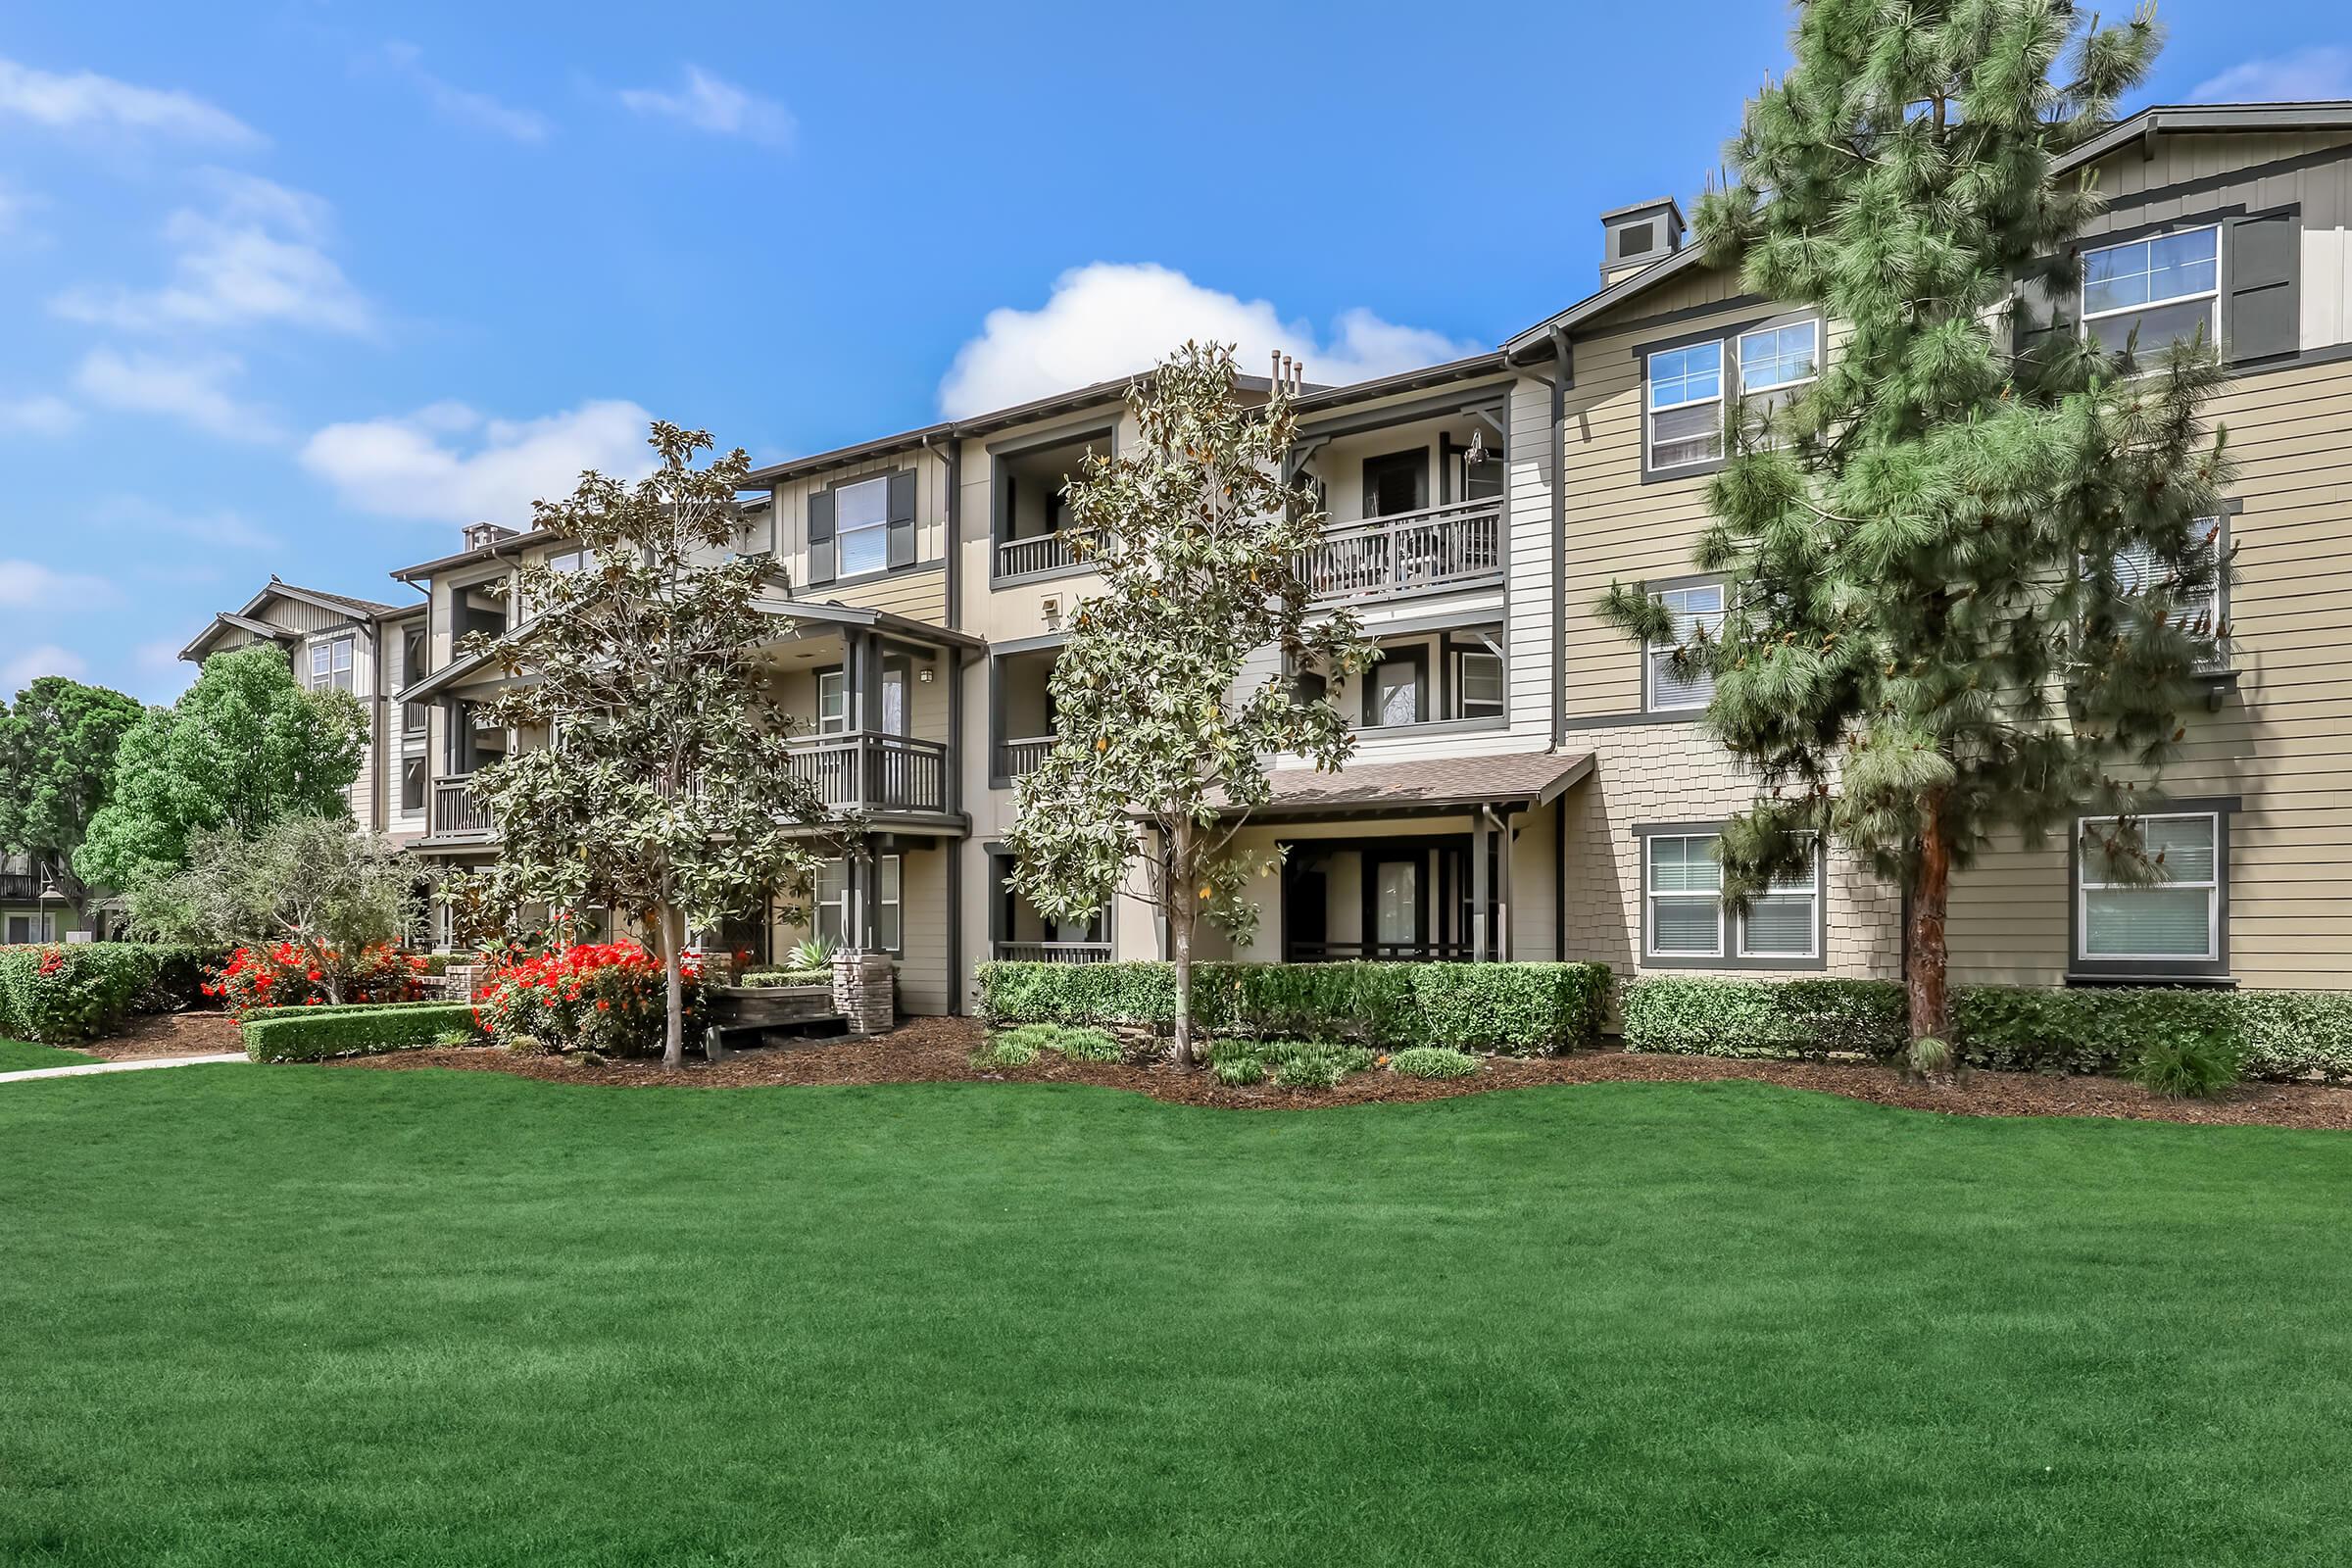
x: 303, y: 287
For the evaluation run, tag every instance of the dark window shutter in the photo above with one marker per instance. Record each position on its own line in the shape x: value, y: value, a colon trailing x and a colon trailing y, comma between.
x: 2263, y: 258
x: 820, y: 536
x: 901, y: 519
x: 2049, y: 305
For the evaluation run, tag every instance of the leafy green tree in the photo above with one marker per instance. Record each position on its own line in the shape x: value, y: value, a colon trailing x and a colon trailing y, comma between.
x: 1155, y: 725
x: 316, y: 882
x: 664, y: 790
x: 243, y: 747
x: 1928, y: 636
x: 57, y: 769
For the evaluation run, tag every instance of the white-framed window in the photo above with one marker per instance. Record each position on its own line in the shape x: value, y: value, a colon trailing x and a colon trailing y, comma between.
x: 889, y: 902
x: 830, y: 915
x: 861, y: 527
x: 1684, y: 397
x: 1776, y: 363
x: 2176, y: 920
x: 829, y: 902
x: 832, y: 702
x: 572, y: 560
x: 2163, y: 287
x: 1693, y: 607
x: 1682, y: 906
x: 330, y: 665
x: 1478, y: 683
x: 2138, y: 572
x: 1784, y: 920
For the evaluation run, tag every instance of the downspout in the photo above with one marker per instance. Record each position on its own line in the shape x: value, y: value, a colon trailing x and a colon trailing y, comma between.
x: 1560, y: 373
x: 951, y: 455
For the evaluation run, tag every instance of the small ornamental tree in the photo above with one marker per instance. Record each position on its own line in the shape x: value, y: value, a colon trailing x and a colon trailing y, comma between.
x: 243, y: 747
x: 1963, y: 586
x: 57, y: 770
x: 663, y: 789
x: 335, y: 897
x: 1156, y: 728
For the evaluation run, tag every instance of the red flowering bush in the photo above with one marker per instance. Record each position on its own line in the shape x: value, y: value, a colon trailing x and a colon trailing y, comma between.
x: 284, y: 975
x: 605, y: 997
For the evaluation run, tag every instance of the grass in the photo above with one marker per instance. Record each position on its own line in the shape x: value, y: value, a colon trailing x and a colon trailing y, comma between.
x: 305, y: 1315
x: 22, y: 1055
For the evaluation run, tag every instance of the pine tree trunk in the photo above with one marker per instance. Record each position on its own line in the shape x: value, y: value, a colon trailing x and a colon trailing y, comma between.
x: 673, y: 1038
x: 1927, y: 962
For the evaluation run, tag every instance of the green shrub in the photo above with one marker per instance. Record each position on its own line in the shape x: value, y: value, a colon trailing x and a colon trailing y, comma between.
x: 64, y: 991
x: 454, y: 1039
x: 314, y: 1034
x: 1237, y: 1072
x: 1077, y: 1042
x: 1004, y: 1049
x: 1314, y: 1064
x: 2289, y: 1035
x: 1307, y: 1070
x: 1708, y: 1015
x: 528, y: 1046
x: 2186, y: 1067
x: 1520, y: 1008
x: 764, y: 978
x: 1433, y: 1062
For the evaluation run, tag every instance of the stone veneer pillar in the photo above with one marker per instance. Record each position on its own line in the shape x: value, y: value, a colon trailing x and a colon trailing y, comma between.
x: 866, y: 991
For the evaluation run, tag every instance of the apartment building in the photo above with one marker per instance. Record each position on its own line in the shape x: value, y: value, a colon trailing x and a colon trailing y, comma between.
x: 1527, y: 784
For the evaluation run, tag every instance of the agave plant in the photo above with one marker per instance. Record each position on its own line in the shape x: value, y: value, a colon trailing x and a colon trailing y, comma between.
x: 815, y: 953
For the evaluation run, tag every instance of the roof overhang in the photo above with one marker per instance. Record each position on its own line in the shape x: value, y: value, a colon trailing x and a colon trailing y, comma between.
x: 224, y: 622
x: 825, y: 613
x: 1437, y: 787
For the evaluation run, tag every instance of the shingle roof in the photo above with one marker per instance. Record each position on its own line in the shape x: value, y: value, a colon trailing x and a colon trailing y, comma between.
x: 358, y: 606
x: 1424, y: 786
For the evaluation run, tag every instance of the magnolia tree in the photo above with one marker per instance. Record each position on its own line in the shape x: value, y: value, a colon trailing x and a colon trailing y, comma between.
x: 1157, y: 730
x: 57, y: 770
x: 328, y: 890
x: 242, y: 748
x: 1965, y: 588
x: 664, y: 788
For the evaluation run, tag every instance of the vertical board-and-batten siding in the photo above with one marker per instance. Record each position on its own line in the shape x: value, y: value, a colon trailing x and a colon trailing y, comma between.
x: 788, y: 520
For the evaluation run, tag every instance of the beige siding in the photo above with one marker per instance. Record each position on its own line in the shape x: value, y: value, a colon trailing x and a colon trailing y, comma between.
x: 919, y: 593
x: 788, y: 517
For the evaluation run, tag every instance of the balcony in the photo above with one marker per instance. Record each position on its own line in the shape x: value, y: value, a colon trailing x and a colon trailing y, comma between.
x: 1026, y: 755
x: 864, y: 771
x: 1435, y: 551
x: 457, y: 813
x: 1050, y: 952
x: 1035, y: 556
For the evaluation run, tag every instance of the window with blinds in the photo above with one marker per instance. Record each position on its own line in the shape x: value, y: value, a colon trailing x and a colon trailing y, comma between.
x: 2177, y: 918
x: 2203, y: 612
x: 1693, y: 607
x: 1685, y: 915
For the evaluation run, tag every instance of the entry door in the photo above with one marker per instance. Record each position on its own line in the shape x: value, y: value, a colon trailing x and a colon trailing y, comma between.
x: 1397, y: 915
x: 1305, y: 911
x: 893, y: 697
x: 1396, y: 482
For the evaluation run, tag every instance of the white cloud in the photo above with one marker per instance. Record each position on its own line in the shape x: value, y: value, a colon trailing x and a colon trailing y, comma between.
x: 47, y: 658
x: 717, y: 105
x: 88, y: 101
x: 193, y: 390
x: 2306, y: 75
x: 43, y: 414
x: 448, y: 464
x: 256, y: 257
x: 459, y: 104
x: 29, y: 585
x: 1110, y: 318
x: 219, y: 529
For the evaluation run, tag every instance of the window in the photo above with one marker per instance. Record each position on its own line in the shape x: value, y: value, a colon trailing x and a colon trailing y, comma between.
x: 2202, y: 612
x: 832, y: 702
x: 330, y: 665
x: 411, y: 785
x: 861, y: 527
x: 1785, y: 921
x: 1776, y: 362
x: 2165, y: 289
x: 889, y: 926
x: 1478, y: 683
x: 1693, y: 607
x: 830, y: 914
x: 1392, y: 692
x: 569, y: 561
x: 1395, y: 483
x: 1686, y: 406
x: 19, y: 930
x: 2171, y: 920
x: 413, y: 658
x: 829, y: 903
x: 1685, y: 897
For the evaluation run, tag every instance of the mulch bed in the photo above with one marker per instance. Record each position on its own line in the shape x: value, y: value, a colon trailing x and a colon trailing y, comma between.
x: 938, y: 1050
x: 169, y: 1034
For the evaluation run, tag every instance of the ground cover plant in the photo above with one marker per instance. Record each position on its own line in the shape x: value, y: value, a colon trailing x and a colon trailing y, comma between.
x: 1649, y: 1323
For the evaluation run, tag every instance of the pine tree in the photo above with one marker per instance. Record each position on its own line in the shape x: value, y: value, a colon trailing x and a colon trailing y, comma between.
x: 1931, y: 632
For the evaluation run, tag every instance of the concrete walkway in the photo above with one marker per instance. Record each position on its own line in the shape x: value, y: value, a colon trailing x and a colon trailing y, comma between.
x: 85, y: 1069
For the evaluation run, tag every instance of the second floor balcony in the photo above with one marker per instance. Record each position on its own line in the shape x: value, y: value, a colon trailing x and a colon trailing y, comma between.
x: 865, y: 772
x: 1431, y: 550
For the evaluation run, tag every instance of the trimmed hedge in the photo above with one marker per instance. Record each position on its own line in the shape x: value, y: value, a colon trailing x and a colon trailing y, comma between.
x: 315, y: 1034
x: 1521, y: 1008
x: 2279, y: 1035
x: 62, y: 992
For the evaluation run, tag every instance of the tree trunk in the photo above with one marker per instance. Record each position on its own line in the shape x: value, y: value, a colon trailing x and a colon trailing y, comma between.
x: 1925, y: 962
x: 1180, y: 942
x: 673, y: 939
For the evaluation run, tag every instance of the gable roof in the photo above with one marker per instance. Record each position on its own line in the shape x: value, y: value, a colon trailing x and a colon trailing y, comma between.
x: 247, y: 621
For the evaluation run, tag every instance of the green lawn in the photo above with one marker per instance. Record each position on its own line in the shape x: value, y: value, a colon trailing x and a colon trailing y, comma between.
x: 20, y: 1055
x: 304, y: 1315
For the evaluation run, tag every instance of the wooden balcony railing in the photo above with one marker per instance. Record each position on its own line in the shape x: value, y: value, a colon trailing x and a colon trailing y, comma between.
x: 1016, y: 757
x: 1459, y: 546
x: 456, y: 813
x: 864, y: 771
x: 1039, y: 553
x: 1050, y: 952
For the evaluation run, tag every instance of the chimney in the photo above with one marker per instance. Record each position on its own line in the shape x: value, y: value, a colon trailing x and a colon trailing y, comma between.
x: 1633, y: 237
x: 479, y: 535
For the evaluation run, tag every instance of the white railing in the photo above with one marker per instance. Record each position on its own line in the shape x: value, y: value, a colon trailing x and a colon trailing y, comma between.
x: 865, y: 771
x: 1050, y: 952
x: 1025, y: 755
x: 1458, y: 546
x: 1039, y: 553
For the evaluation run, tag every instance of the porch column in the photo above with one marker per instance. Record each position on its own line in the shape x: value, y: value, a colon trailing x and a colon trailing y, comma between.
x: 1502, y: 877
x: 1480, y: 894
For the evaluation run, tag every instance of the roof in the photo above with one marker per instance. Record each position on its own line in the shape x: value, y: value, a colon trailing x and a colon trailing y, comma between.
x: 2154, y: 120
x: 1422, y: 787
x: 244, y: 620
x: 374, y: 609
